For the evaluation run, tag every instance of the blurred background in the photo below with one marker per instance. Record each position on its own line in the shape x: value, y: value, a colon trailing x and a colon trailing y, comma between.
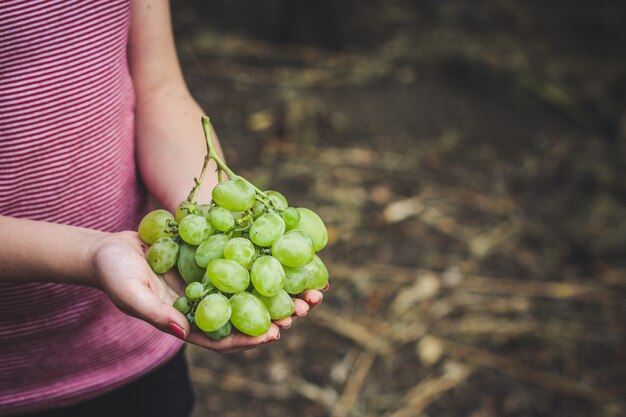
x: 469, y: 160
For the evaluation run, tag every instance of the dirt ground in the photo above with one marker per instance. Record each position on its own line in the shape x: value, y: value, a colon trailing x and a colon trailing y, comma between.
x: 469, y: 159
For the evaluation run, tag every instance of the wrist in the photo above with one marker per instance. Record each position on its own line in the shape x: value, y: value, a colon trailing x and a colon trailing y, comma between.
x: 91, y: 244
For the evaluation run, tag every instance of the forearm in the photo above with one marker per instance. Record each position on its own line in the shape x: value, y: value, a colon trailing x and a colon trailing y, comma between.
x: 170, y: 142
x: 171, y: 147
x: 33, y: 251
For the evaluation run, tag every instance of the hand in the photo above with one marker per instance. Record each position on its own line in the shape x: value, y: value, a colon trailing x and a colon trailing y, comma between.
x: 123, y: 273
x: 305, y: 302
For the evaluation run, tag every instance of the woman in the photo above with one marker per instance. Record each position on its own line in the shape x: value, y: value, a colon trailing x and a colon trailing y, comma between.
x: 91, y: 94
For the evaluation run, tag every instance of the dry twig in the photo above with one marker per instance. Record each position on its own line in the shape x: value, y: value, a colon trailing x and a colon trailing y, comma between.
x: 327, y: 397
x: 353, y: 387
x: 538, y: 377
x: 345, y: 326
x: 431, y: 388
x: 239, y: 383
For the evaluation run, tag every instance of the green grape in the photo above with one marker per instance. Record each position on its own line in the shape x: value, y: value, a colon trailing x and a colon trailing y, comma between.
x: 279, y: 305
x: 194, y: 290
x: 203, y: 209
x: 278, y: 200
x: 234, y: 195
x: 291, y: 216
x: 312, y: 226
x: 295, y: 279
x: 293, y: 249
x: 220, y: 333
x: 266, y: 229
x: 191, y: 318
x: 312, y: 276
x: 185, y: 208
x: 267, y: 276
x: 154, y: 226
x: 213, y: 312
x: 238, y: 233
x: 221, y: 219
x: 240, y: 250
x: 249, y: 314
x: 238, y: 214
x: 187, y: 266
x: 317, y: 276
x: 228, y: 276
x: 208, y: 285
x: 194, y: 229
x: 212, y: 248
x: 258, y: 209
x: 182, y: 304
x: 162, y: 255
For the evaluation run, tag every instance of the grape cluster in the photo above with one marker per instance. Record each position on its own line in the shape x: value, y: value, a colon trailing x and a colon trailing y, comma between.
x: 243, y: 255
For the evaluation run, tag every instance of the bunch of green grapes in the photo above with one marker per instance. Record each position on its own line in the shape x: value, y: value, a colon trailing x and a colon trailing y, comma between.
x: 243, y: 255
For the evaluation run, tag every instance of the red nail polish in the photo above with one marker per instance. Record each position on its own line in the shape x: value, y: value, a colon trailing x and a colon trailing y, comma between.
x: 177, y: 330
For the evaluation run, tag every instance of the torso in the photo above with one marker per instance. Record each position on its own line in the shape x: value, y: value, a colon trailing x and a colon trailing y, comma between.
x: 67, y: 156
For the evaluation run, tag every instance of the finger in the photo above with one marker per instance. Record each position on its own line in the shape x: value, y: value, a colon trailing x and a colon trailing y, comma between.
x: 301, y: 307
x: 230, y: 344
x: 241, y: 341
x: 171, y: 296
x: 164, y: 289
x: 234, y: 342
x: 284, y: 323
x: 312, y: 297
x: 148, y: 307
x: 174, y: 281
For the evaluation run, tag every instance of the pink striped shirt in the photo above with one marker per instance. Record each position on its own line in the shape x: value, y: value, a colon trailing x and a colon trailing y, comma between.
x: 67, y: 156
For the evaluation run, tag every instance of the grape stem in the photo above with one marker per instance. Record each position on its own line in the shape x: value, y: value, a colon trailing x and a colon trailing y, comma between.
x: 221, y: 166
x: 198, y: 181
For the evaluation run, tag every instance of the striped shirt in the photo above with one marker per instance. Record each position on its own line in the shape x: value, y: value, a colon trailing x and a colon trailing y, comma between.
x: 67, y: 155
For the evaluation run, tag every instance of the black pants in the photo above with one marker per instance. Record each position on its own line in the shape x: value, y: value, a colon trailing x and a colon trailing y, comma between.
x: 164, y: 392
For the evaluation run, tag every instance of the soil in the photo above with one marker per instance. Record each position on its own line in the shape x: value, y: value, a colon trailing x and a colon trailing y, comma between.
x: 469, y: 159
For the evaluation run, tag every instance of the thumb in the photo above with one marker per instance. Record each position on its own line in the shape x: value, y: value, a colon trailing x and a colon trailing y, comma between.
x: 150, y: 308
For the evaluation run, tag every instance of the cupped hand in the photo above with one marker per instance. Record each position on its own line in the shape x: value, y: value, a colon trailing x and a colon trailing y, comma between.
x: 123, y: 273
x: 302, y: 305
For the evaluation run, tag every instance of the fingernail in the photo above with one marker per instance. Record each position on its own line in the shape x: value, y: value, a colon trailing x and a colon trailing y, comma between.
x: 327, y: 286
x: 316, y: 299
x: 303, y: 314
x: 277, y: 336
x: 287, y: 326
x: 177, y: 330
